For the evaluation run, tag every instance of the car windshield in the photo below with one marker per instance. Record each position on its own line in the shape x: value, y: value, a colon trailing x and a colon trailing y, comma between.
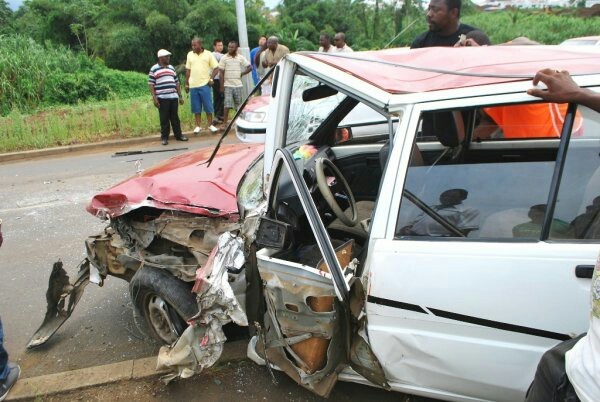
x: 306, y: 114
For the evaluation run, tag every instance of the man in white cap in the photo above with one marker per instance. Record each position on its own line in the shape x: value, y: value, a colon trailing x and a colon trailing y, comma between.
x: 166, y: 95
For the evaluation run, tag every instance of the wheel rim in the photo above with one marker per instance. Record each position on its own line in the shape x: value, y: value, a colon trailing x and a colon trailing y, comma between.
x: 158, y: 316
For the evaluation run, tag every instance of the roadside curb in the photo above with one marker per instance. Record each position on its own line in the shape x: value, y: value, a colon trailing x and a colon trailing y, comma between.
x: 36, y: 153
x: 34, y: 387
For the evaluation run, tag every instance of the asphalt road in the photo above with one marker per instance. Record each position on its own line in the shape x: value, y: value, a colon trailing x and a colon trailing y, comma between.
x: 42, y: 206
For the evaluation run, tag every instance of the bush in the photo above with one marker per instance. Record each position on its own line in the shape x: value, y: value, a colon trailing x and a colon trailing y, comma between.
x: 32, y: 75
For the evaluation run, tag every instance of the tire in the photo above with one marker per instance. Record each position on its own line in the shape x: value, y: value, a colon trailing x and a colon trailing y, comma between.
x: 162, y: 303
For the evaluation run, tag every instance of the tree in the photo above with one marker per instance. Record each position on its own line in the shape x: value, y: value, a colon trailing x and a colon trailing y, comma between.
x: 6, y: 16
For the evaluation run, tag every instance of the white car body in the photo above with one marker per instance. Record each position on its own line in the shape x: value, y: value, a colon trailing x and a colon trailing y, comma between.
x: 447, y: 318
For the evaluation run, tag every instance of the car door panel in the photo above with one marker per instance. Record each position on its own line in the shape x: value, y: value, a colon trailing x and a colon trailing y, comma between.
x: 481, y: 338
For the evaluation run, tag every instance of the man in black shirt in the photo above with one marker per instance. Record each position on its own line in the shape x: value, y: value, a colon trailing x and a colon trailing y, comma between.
x: 443, y: 18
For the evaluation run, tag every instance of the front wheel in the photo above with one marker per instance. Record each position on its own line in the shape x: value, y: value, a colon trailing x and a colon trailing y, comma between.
x: 162, y: 303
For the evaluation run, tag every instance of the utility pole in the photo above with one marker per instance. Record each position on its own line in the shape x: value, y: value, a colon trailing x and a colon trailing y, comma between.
x: 240, y: 11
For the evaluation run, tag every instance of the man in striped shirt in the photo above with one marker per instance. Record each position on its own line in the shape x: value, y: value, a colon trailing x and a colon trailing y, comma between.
x: 166, y: 95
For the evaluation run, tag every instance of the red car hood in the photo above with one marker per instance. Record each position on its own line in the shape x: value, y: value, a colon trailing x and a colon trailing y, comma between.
x: 183, y: 183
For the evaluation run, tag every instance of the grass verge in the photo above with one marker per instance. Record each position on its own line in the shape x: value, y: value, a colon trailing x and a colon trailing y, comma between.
x: 89, y: 122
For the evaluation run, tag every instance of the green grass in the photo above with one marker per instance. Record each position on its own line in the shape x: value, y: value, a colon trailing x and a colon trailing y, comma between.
x: 84, y: 123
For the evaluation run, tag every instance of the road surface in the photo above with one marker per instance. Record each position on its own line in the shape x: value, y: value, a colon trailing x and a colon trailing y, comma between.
x: 42, y: 206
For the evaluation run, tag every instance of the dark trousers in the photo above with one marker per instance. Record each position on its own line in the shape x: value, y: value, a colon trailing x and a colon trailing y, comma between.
x: 3, y: 356
x: 168, y: 115
x: 551, y: 383
x: 218, y: 99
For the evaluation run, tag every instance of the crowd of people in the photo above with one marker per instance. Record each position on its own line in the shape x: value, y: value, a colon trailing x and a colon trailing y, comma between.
x: 214, y: 80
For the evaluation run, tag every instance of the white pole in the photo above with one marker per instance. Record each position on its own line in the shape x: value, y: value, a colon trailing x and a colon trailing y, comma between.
x: 244, y: 50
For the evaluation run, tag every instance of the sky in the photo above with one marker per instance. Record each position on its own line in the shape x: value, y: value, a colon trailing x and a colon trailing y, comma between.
x: 14, y: 4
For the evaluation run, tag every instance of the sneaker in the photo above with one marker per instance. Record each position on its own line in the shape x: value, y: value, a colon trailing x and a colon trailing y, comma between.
x: 182, y: 138
x: 197, y: 130
x: 14, y: 371
x: 213, y: 129
x: 165, y: 142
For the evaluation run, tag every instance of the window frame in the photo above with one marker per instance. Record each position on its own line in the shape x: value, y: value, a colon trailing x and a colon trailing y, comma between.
x: 402, y: 152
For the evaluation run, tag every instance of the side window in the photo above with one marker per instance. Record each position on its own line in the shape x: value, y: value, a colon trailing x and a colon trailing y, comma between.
x: 524, y: 121
x: 578, y: 202
x: 481, y: 191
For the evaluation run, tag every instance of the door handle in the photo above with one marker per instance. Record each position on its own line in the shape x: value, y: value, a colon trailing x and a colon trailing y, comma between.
x: 584, y: 271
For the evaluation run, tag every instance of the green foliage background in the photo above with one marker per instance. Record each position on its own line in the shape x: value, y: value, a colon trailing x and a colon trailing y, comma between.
x: 32, y: 75
x: 68, y: 51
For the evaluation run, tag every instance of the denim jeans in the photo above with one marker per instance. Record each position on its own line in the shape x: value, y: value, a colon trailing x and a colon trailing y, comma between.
x: 3, y: 356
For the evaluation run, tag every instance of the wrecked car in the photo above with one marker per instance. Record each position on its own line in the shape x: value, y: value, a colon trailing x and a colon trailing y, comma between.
x: 440, y: 258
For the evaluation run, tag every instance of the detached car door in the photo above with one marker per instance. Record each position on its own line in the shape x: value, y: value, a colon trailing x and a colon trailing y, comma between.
x: 484, y: 259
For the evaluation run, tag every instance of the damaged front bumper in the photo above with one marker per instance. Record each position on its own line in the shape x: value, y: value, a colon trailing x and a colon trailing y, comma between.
x: 61, y: 297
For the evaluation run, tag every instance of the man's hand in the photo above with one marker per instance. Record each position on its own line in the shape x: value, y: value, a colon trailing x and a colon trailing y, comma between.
x: 187, y: 87
x: 180, y: 99
x: 156, y: 102
x: 561, y: 87
x: 467, y: 42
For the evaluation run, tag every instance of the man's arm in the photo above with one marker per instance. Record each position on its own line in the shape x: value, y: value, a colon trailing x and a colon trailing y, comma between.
x: 154, y: 97
x: 187, y: 80
x: 221, y: 80
x: 562, y: 89
x: 247, y: 70
x: 257, y: 58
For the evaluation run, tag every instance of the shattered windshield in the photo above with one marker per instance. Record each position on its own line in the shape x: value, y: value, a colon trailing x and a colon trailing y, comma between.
x: 250, y: 192
x: 305, y: 116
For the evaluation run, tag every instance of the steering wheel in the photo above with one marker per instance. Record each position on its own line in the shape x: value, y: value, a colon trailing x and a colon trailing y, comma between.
x: 320, y: 166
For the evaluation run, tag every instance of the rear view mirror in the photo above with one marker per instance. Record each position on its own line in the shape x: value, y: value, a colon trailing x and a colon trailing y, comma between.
x: 318, y: 92
x: 273, y: 234
x: 343, y: 134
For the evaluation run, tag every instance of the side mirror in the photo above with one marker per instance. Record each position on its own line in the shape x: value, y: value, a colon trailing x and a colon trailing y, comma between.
x: 342, y: 135
x: 273, y: 234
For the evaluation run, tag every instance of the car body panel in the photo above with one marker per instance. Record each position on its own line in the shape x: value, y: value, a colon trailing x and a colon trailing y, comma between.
x: 182, y: 183
x: 401, y: 71
x: 582, y: 41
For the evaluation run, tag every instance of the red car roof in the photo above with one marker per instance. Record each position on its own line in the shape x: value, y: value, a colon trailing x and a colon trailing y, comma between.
x: 422, y: 70
x: 183, y: 183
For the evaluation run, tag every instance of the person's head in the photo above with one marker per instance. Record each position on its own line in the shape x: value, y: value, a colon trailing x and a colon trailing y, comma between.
x: 443, y: 15
x: 218, y: 45
x: 163, y: 57
x: 232, y: 48
x: 261, y: 41
x: 474, y: 38
x: 197, y: 44
x: 340, y: 39
x: 479, y: 37
x: 536, y: 213
x: 521, y: 41
x: 324, y: 40
x: 453, y: 196
x: 272, y: 43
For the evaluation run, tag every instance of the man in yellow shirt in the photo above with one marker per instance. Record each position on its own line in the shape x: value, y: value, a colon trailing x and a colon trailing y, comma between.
x: 200, y: 69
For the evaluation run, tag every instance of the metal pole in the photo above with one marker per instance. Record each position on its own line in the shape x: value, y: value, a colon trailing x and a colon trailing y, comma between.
x: 244, y: 50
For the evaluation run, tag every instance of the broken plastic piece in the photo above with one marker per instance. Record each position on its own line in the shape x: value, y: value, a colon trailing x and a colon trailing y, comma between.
x: 59, y: 291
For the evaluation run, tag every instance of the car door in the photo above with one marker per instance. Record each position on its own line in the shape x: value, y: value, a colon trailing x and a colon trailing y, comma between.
x: 465, y: 308
x: 309, y: 330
